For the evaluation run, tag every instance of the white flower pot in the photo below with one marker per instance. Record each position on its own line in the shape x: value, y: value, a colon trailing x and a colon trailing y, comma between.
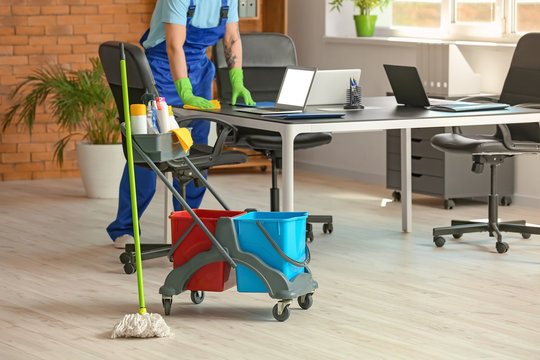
x: 101, y: 169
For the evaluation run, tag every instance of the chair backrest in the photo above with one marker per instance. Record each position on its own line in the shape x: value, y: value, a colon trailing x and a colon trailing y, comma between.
x: 140, y: 79
x: 264, y: 59
x: 522, y: 84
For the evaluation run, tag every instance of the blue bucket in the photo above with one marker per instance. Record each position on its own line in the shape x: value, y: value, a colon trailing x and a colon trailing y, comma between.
x: 287, y: 229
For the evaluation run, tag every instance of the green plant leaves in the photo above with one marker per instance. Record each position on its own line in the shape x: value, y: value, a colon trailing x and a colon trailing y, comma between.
x: 81, y: 103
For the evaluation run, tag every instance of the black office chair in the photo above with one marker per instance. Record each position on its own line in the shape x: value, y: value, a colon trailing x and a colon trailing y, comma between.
x: 522, y: 86
x: 141, y: 83
x: 265, y: 58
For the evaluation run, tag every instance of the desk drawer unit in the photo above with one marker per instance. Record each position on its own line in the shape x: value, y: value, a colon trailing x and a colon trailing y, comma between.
x: 440, y: 174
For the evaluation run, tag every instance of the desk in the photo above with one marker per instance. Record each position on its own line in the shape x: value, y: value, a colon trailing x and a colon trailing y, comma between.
x: 381, y: 113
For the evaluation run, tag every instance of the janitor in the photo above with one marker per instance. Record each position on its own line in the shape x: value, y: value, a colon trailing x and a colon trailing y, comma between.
x: 176, y: 42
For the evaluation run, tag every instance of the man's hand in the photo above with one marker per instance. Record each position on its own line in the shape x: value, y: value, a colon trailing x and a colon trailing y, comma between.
x: 238, y: 88
x: 183, y: 86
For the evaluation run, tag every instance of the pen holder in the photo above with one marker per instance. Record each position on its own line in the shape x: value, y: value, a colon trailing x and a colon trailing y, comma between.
x: 354, y: 98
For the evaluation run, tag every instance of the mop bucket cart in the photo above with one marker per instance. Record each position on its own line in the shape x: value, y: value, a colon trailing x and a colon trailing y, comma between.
x: 224, y: 247
x: 275, y: 281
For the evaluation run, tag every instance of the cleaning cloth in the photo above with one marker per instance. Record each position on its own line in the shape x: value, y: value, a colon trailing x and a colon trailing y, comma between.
x: 184, y: 136
x: 216, y: 103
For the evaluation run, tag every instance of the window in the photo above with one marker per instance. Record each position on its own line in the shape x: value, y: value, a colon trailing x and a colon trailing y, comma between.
x: 460, y: 19
x: 527, y: 15
x: 426, y: 13
x: 475, y: 11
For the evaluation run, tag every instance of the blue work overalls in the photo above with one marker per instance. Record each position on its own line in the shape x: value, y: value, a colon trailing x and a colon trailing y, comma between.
x: 201, y: 73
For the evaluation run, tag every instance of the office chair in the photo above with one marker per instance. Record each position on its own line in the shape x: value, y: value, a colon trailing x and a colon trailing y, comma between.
x: 264, y: 60
x: 141, y: 83
x: 522, y: 86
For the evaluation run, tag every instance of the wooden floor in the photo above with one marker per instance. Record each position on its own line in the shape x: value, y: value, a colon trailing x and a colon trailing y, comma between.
x: 382, y: 294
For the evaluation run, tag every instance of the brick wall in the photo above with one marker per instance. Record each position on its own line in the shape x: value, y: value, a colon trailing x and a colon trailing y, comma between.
x: 66, y: 32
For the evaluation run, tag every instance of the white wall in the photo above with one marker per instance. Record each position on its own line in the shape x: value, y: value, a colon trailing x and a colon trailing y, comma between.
x: 362, y: 155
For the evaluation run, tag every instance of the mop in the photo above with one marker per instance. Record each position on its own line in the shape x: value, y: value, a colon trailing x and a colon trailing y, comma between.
x: 143, y: 324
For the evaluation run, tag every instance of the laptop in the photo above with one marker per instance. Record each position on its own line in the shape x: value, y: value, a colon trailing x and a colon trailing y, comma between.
x: 330, y: 86
x: 409, y: 91
x: 293, y: 93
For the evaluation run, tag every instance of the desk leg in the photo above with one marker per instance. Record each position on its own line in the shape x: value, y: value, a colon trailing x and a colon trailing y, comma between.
x: 287, y: 143
x: 406, y: 183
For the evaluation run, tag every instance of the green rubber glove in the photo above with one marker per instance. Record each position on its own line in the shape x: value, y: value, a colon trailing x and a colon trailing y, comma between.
x: 183, y: 86
x: 238, y: 89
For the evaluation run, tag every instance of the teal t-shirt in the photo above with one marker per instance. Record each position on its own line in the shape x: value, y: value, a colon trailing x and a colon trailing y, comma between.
x: 175, y: 11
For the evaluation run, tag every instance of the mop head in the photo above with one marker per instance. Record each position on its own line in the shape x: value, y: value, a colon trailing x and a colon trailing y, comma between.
x: 141, y: 326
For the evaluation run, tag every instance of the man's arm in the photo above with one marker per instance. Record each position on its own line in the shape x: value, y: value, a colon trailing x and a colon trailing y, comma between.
x: 175, y: 36
x: 232, y: 46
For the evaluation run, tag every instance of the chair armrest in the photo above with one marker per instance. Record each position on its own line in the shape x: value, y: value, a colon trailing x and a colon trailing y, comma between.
x: 225, y: 129
x: 480, y: 98
x: 529, y: 105
x: 517, y: 146
x: 457, y: 129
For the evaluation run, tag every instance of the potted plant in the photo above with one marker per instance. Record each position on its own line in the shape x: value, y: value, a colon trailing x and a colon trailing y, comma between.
x: 365, y: 21
x: 83, y: 107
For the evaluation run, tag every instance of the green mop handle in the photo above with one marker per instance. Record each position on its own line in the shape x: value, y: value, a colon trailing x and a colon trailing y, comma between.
x: 132, y: 188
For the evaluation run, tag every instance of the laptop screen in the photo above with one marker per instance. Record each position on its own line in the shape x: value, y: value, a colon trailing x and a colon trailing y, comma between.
x: 295, y: 86
x: 406, y: 85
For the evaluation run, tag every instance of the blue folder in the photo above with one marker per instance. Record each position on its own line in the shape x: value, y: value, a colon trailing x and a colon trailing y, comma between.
x: 304, y: 115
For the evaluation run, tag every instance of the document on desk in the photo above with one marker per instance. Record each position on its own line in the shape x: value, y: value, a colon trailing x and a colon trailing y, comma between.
x: 257, y: 104
x: 455, y: 107
x: 310, y: 115
x: 341, y: 109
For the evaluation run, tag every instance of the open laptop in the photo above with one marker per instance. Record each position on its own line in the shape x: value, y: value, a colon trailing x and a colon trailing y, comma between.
x: 293, y: 93
x: 330, y: 86
x: 409, y: 91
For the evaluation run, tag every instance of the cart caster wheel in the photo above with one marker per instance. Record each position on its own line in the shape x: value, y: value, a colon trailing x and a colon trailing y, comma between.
x: 449, y: 204
x: 439, y: 241
x: 125, y: 258
x: 457, y: 236
x: 129, y: 268
x: 167, y: 302
x: 305, y: 301
x: 506, y: 201
x: 525, y: 236
x: 284, y: 314
x: 327, y: 228
x: 197, y: 297
x: 502, y: 247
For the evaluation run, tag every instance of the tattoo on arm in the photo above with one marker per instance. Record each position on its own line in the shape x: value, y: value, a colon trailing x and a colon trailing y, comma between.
x: 229, y: 56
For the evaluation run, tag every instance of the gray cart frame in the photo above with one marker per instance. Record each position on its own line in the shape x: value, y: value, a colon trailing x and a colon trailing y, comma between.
x: 225, y: 247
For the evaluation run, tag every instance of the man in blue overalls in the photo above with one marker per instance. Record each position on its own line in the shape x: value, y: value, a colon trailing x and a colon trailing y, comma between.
x: 180, y: 32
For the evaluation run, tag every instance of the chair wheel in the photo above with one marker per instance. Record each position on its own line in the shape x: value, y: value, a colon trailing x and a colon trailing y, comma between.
x: 457, y: 236
x: 506, y: 201
x: 327, y: 228
x: 525, y: 236
x: 197, y: 297
x: 125, y: 257
x: 439, y: 241
x: 396, y: 196
x: 309, y: 232
x: 449, y: 204
x: 502, y: 247
x: 129, y: 268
